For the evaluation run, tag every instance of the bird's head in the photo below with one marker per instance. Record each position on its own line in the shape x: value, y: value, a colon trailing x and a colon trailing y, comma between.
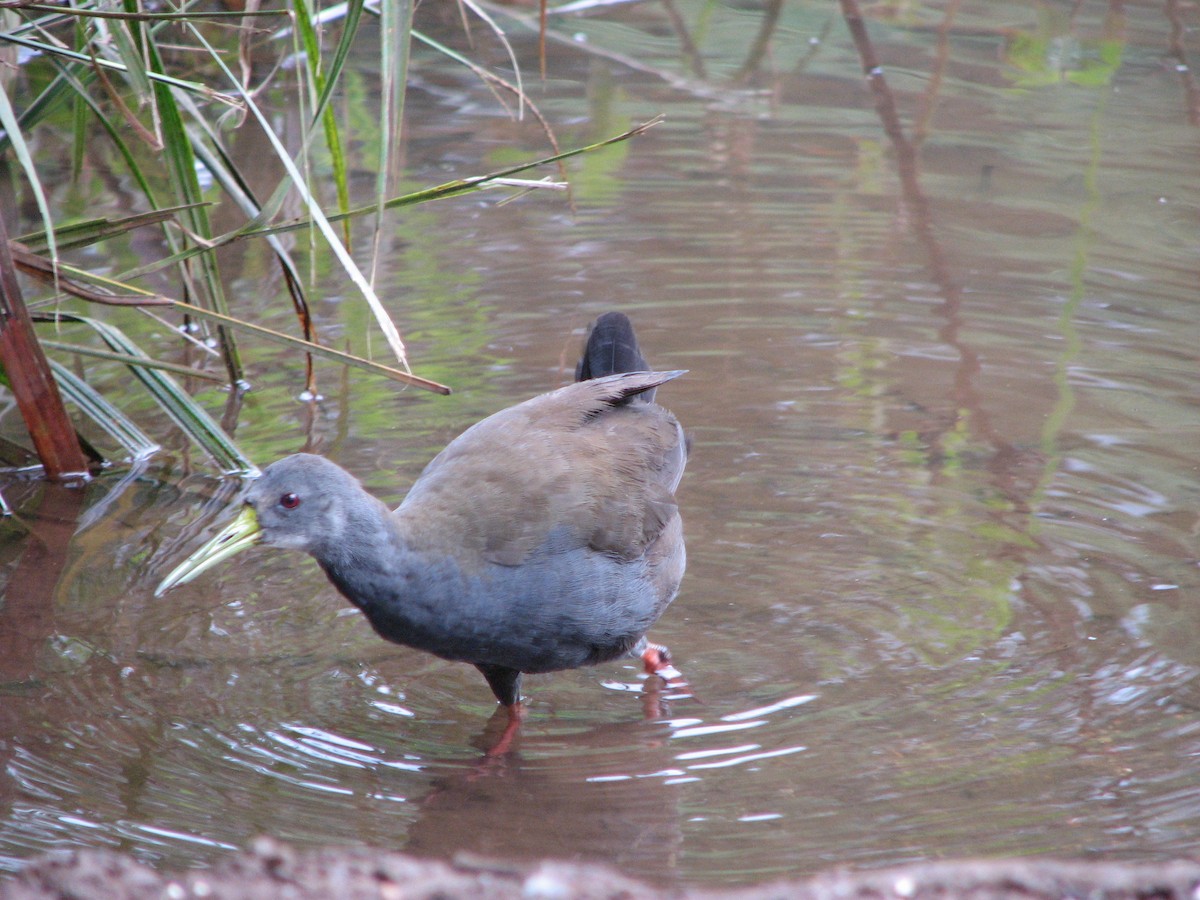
x: 300, y: 502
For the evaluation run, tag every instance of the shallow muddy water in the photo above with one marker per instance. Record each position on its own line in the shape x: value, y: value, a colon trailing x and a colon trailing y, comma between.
x: 943, y: 510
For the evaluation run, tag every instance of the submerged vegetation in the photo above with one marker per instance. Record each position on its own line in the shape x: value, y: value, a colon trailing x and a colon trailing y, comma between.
x: 152, y: 95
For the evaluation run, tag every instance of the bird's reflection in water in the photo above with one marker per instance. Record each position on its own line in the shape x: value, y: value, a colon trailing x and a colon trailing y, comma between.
x: 501, y: 735
x: 601, y: 793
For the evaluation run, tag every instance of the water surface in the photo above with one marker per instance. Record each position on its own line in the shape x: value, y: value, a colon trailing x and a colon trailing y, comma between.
x: 942, y: 512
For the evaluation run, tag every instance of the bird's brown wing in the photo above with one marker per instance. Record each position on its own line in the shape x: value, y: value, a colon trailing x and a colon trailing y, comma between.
x: 579, y: 465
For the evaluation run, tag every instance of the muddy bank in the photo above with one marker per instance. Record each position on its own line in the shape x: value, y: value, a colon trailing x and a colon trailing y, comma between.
x: 273, y: 871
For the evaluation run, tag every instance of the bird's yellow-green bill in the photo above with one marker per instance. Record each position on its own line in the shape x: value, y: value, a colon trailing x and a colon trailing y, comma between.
x: 242, y: 532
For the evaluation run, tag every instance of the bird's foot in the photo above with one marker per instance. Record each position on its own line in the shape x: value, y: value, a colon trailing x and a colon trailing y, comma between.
x: 666, y: 683
x: 657, y: 661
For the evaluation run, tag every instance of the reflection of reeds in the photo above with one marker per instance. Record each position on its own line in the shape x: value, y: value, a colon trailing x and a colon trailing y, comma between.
x: 918, y: 214
x: 695, y: 87
x: 1179, y: 52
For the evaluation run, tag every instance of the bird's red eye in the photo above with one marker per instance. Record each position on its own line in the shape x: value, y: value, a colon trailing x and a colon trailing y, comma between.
x: 289, y: 501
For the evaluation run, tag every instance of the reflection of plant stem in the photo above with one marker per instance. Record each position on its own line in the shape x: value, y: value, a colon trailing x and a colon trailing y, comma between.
x: 758, y: 50
x: 689, y: 86
x: 690, y: 51
x: 27, y: 618
x: 1065, y: 401
x: 1181, y: 65
x: 813, y: 45
x: 921, y: 128
x: 916, y: 206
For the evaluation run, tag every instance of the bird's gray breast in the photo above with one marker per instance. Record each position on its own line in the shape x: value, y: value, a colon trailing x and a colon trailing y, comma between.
x: 563, y: 607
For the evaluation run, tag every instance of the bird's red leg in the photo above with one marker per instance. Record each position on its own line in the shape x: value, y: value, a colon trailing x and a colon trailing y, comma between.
x: 516, y: 712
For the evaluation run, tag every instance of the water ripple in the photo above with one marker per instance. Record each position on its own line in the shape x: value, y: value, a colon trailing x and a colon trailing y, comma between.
x: 789, y: 703
x: 746, y: 758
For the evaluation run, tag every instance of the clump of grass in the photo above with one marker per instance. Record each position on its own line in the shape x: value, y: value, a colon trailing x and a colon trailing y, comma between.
x: 161, y: 89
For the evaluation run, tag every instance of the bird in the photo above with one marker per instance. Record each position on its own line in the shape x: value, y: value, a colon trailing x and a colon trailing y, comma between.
x: 545, y: 537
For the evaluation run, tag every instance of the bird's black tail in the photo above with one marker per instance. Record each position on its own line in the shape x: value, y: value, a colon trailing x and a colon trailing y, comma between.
x: 611, y: 349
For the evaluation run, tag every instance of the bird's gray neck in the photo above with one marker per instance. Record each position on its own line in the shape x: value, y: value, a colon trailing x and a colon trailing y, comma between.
x: 409, y: 596
x: 362, y: 549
